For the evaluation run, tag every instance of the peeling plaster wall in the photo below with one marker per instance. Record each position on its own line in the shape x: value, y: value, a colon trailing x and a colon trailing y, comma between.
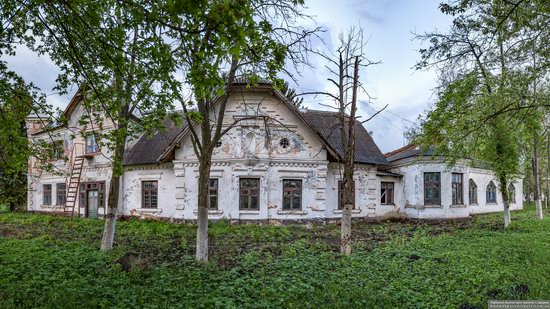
x: 252, y: 150
x: 95, y: 169
x: 131, y: 191
x: 367, y: 187
x: 482, y: 178
x: 394, y: 211
x: 412, y: 190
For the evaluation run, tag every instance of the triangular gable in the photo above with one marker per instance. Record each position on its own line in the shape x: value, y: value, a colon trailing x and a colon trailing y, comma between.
x: 277, y: 94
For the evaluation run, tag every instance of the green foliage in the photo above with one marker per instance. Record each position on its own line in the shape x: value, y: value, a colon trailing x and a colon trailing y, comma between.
x: 16, y: 102
x: 291, y: 94
x: 490, y: 61
x: 50, y: 261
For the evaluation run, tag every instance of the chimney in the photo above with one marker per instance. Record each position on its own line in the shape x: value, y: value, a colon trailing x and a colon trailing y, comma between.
x: 36, y: 123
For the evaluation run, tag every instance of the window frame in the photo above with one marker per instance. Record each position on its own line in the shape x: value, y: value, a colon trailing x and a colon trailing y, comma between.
x: 210, y: 196
x: 432, y: 201
x: 152, y: 193
x: 341, y: 193
x: 512, y: 193
x: 93, y: 185
x: 472, y: 190
x: 249, y: 196
x: 47, y: 194
x: 457, y: 189
x: 60, y: 200
x: 88, y: 148
x: 292, y: 192
x: 385, y: 194
x: 487, y: 192
x: 58, y: 149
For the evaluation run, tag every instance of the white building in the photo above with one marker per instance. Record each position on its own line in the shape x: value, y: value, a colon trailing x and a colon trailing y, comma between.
x: 283, y: 169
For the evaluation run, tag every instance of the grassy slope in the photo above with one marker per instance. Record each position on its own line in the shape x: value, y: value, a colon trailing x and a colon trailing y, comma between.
x: 54, y: 262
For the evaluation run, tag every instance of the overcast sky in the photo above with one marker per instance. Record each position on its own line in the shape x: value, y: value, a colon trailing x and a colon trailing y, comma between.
x: 387, y: 23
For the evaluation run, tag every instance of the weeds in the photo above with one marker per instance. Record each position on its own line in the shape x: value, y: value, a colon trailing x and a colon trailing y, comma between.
x: 48, y: 261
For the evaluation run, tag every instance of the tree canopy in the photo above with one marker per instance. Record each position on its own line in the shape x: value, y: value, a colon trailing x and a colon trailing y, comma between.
x: 490, y: 63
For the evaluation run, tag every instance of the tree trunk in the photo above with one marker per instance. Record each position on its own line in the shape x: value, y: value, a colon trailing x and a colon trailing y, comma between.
x: 202, y: 213
x: 111, y: 215
x: 349, y: 160
x: 348, y: 202
x: 114, y: 192
x: 547, y: 170
x: 528, y: 193
x: 507, y: 217
x: 535, y: 166
x: 506, y: 202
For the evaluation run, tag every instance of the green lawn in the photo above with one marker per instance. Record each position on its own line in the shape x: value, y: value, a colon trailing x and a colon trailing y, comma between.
x: 48, y: 261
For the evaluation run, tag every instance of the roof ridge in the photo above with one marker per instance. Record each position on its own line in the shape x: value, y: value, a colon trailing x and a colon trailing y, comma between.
x: 398, y: 150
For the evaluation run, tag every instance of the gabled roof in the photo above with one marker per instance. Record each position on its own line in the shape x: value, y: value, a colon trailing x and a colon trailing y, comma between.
x: 77, y: 98
x: 147, y: 150
x: 327, y: 125
x: 157, y: 149
x: 410, y: 150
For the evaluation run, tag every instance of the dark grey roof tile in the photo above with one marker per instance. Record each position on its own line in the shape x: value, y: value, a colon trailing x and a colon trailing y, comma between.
x: 327, y: 126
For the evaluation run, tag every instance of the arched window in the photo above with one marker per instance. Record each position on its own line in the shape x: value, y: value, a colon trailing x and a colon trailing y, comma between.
x: 472, y: 192
x: 491, y: 192
x: 512, y: 193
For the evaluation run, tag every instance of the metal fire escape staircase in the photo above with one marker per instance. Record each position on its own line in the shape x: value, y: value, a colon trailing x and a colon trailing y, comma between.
x: 73, y: 181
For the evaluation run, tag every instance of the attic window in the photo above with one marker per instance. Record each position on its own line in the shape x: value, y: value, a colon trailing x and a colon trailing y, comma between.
x: 218, y: 144
x: 284, y: 143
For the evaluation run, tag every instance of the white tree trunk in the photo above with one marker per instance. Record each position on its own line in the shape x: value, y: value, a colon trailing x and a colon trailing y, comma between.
x: 201, y: 253
x: 202, y: 234
x: 507, y: 217
x: 535, y: 166
x: 538, y: 205
x: 109, y: 229
x: 345, y: 232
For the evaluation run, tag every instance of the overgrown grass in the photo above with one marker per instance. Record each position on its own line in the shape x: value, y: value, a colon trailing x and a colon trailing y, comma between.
x: 48, y: 261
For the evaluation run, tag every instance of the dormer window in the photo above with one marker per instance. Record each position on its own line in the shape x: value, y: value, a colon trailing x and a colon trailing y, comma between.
x: 91, y: 145
x: 58, y: 150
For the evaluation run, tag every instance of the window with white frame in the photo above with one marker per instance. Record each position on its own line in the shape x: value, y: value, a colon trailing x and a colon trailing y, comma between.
x: 512, y: 193
x: 456, y: 188
x: 472, y: 191
x: 91, y: 145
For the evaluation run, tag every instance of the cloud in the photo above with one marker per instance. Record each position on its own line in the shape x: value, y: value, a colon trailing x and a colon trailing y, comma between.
x: 388, y: 23
x: 39, y: 70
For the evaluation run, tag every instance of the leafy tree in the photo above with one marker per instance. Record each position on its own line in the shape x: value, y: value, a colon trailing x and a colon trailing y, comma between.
x: 125, y: 58
x: 486, y: 77
x: 217, y: 41
x: 118, y: 59
x: 15, y: 105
